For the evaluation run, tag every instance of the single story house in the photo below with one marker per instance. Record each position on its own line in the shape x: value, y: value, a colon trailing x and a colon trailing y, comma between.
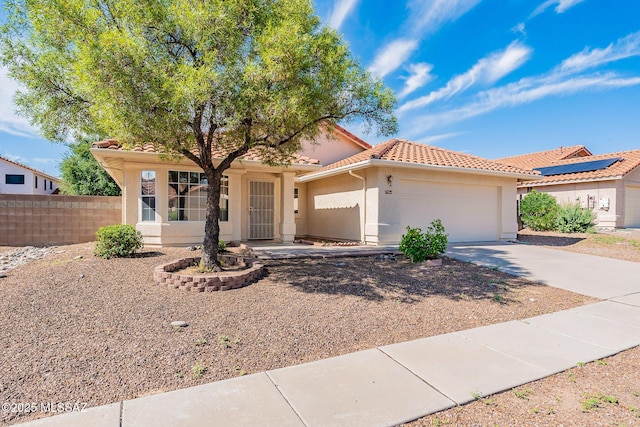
x: 607, y: 183
x: 339, y: 189
x: 16, y: 178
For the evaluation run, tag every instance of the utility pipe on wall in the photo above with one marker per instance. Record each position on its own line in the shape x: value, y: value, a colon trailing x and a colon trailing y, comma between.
x: 364, y: 204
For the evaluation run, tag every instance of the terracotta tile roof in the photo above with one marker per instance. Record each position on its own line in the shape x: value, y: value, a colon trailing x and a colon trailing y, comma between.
x: 545, y: 158
x: 112, y: 144
x: 401, y: 150
x: 53, y: 178
x: 630, y: 160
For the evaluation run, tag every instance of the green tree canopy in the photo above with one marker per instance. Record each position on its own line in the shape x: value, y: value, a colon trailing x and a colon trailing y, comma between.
x: 83, y: 176
x: 188, y: 76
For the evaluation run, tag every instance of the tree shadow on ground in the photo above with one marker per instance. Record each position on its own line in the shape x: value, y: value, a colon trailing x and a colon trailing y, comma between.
x: 374, y: 278
x: 548, y: 240
x: 147, y: 254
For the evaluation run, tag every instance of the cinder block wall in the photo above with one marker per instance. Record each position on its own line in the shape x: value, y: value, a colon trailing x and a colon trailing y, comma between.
x: 54, y: 219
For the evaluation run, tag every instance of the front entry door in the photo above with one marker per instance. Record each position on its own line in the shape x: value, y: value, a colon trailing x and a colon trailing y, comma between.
x: 261, y: 210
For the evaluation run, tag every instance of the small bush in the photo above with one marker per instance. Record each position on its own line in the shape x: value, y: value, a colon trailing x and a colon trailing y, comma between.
x: 419, y: 246
x: 572, y: 218
x: 222, y: 246
x: 538, y: 211
x: 120, y: 240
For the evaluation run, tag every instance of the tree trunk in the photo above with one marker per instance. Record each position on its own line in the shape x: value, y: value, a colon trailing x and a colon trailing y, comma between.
x: 212, y: 226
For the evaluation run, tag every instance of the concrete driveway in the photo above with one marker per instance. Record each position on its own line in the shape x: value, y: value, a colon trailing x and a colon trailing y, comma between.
x: 591, y: 275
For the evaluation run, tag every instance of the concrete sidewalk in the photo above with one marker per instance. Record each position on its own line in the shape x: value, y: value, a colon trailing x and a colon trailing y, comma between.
x: 389, y: 385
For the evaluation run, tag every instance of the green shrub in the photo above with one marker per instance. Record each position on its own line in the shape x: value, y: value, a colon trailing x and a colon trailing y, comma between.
x: 120, y: 240
x: 419, y: 246
x: 572, y: 218
x: 222, y: 246
x: 538, y: 211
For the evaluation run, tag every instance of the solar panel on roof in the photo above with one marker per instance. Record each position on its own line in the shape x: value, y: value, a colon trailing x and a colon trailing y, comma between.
x: 591, y: 166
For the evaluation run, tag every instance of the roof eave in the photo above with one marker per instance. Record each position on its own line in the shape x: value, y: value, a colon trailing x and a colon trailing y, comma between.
x: 154, y: 158
x: 393, y: 163
x: 571, y: 181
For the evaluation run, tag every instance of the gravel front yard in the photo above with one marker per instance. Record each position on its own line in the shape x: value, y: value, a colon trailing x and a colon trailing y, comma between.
x: 98, y: 331
x: 619, y: 244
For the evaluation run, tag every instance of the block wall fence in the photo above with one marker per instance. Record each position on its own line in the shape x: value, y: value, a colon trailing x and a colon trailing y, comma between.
x: 53, y: 219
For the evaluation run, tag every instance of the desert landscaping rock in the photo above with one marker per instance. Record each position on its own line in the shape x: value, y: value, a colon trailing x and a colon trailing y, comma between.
x: 19, y: 256
x: 179, y: 324
x: 106, y: 338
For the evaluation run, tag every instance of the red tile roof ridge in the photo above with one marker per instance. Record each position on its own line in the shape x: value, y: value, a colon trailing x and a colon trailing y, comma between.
x: 405, y: 151
x: 595, y: 157
x: 384, y: 148
x: 544, y: 157
x: 561, y: 149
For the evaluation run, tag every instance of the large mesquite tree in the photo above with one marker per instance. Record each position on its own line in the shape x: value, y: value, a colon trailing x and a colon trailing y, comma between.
x: 189, y: 76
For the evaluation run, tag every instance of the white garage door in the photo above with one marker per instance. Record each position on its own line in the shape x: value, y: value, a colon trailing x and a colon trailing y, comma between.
x: 468, y: 212
x: 632, y: 207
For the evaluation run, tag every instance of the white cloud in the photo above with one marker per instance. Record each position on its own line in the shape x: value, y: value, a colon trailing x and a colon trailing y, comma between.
x: 9, y: 121
x: 15, y: 158
x: 520, y: 29
x: 625, y: 47
x: 341, y: 9
x: 488, y: 70
x: 523, y: 92
x: 420, y: 75
x: 566, y: 79
x: 46, y: 161
x: 428, y: 16
x: 562, y: 6
x: 392, y: 56
x: 435, y: 138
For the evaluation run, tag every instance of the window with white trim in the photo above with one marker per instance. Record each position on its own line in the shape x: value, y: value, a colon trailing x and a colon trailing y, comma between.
x: 295, y: 200
x: 187, y: 196
x: 148, y: 195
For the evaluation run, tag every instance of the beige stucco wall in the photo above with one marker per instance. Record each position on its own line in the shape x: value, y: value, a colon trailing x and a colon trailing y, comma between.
x: 335, y: 204
x: 631, y: 188
x: 602, y: 191
x: 163, y: 232
x: 329, y: 150
x: 334, y: 208
x: 301, y: 216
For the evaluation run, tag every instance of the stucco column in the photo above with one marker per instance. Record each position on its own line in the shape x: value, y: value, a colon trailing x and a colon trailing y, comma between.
x: 233, y: 227
x: 287, y: 216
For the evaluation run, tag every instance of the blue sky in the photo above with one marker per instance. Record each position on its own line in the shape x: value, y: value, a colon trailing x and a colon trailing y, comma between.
x: 492, y: 78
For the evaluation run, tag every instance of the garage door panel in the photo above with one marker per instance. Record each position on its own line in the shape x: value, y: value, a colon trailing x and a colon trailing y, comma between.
x: 632, y: 207
x: 468, y: 212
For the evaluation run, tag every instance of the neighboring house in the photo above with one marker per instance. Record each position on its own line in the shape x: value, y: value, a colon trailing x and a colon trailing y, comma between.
x: 341, y: 188
x: 16, y: 178
x: 607, y: 183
